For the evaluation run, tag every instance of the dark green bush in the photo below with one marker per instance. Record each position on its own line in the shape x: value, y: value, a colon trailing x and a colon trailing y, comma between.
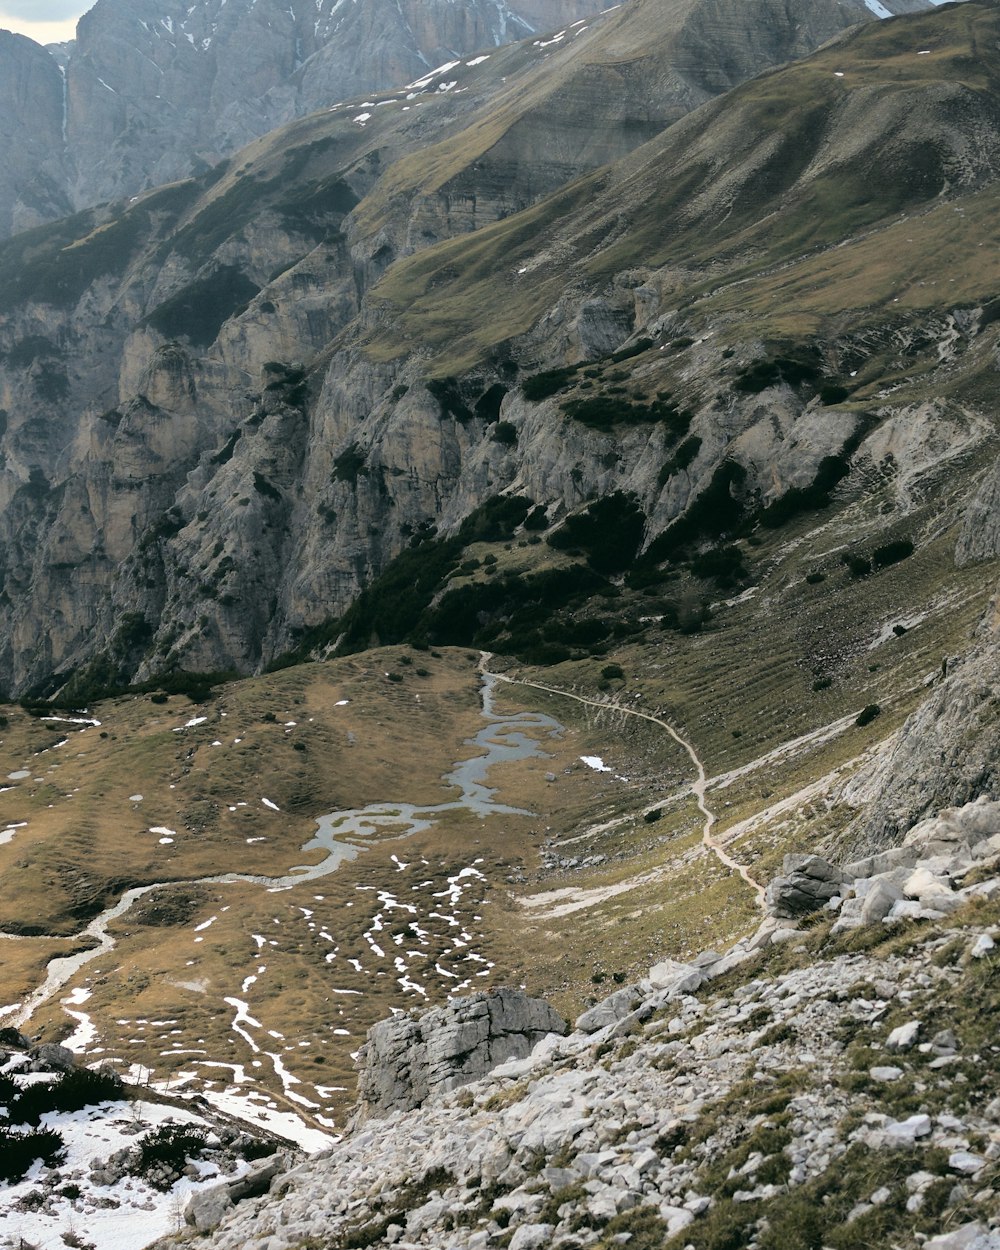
x: 541, y: 385
x: 449, y: 397
x: 781, y: 369
x: 265, y: 488
x: 636, y: 349
x: 814, y: 579
x: 350, y: 464
x: 496, y: 520
x: 715, y: 513
x: 171, y: 1146
x: 488, y: 404
x: 723, y: 565
x: 892, y: 553
x: 198, y: 311
x: 537, y: 519
x: 72, y: 1091
x: 682, y: 458
x: 20, y: 1151
x: 505, y: 434
x: 868, y: 714
x: 609, y: 531
x: 833, y: 393
x: 612, y: 672
x: 604, y: 412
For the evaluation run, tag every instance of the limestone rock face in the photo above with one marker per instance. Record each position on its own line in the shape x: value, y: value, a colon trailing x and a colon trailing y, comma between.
x: 213, y: 431
x: 947, y: 753
x: 979, y: 537
x: 156, y: 89
x: 408, y: 1059
x: 33, y: 188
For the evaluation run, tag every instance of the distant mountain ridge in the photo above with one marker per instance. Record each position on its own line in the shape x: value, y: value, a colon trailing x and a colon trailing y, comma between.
x: 230, y: 405
x: 154, y: 90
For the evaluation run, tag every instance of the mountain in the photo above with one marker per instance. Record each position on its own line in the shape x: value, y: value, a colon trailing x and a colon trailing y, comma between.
x: 153, y: 90
x: 529, y: 533
x: 236, y: 338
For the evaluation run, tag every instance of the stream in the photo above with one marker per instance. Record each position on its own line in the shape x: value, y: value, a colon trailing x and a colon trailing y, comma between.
x: 341, y: 835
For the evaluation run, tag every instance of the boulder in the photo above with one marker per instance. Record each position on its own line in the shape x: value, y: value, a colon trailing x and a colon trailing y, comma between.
x: 406, y: 1059
x: 678, y: 978
x: 968, y: 1236
x: 904, y: 1037
x: 809, y: 882
x: 532, y: 1237
x: 878, y: 901
x: 613, y: 1008
x: 51, y: 1058
x: 205, y: 1209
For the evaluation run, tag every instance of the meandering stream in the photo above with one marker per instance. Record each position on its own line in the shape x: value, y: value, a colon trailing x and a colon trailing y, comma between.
x: 340, y: 835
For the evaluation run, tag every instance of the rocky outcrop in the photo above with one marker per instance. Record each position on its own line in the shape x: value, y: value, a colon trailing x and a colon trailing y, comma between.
x: 205, y: 1208
x: 808, y: 883
x: 720, y: 1117
x: 979, y: 537
x: 946, y: 753
x: 409, y: 1059
x: 914, y: 881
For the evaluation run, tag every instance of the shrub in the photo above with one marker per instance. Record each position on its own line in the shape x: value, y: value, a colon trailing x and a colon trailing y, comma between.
x: 609, y: 531
x: 717, y: 511
x: 814, y: 579
x: 488, y: 404
x: 449, y: 397
x: 857, y: 566
x: 549, y: 382
x: 604, y: 412
x: 198, y: 311
x: 349, y: 464
x: 682, y: 458
x: 833, y: 393
x: 74, y: 1090
x: 20, y: 1151
x: 892, y: 553
x: 505, y: 433
x: 166, y: 1149
x: 723, y: 565
x: 868, y: 714
x: 822, y: 683
x: 537, y: 519
x: 781, y: 369
x: 636, y: 349
x: 496, y: 520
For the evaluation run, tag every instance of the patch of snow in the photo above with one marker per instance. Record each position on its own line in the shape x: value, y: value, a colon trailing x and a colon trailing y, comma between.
x: 596, y: 763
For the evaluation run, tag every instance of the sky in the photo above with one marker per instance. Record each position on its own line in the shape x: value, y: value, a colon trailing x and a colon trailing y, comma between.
x: 45, y: 21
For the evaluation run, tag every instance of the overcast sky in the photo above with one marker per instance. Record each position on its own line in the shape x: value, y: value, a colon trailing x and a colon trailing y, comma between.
x: 47, y: 21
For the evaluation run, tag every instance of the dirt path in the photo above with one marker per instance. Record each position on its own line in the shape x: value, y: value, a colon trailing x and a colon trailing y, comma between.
x: 698, y: 786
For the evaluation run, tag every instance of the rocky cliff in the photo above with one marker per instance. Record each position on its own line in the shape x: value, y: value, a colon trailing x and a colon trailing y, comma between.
x: 230, y: 404
x: 151, y: 92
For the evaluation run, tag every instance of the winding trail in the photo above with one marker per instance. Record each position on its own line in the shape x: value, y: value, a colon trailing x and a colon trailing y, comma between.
x: 698, y: 786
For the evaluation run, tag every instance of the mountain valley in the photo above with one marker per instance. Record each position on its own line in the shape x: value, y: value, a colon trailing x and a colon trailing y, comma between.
x: 493, y: 534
